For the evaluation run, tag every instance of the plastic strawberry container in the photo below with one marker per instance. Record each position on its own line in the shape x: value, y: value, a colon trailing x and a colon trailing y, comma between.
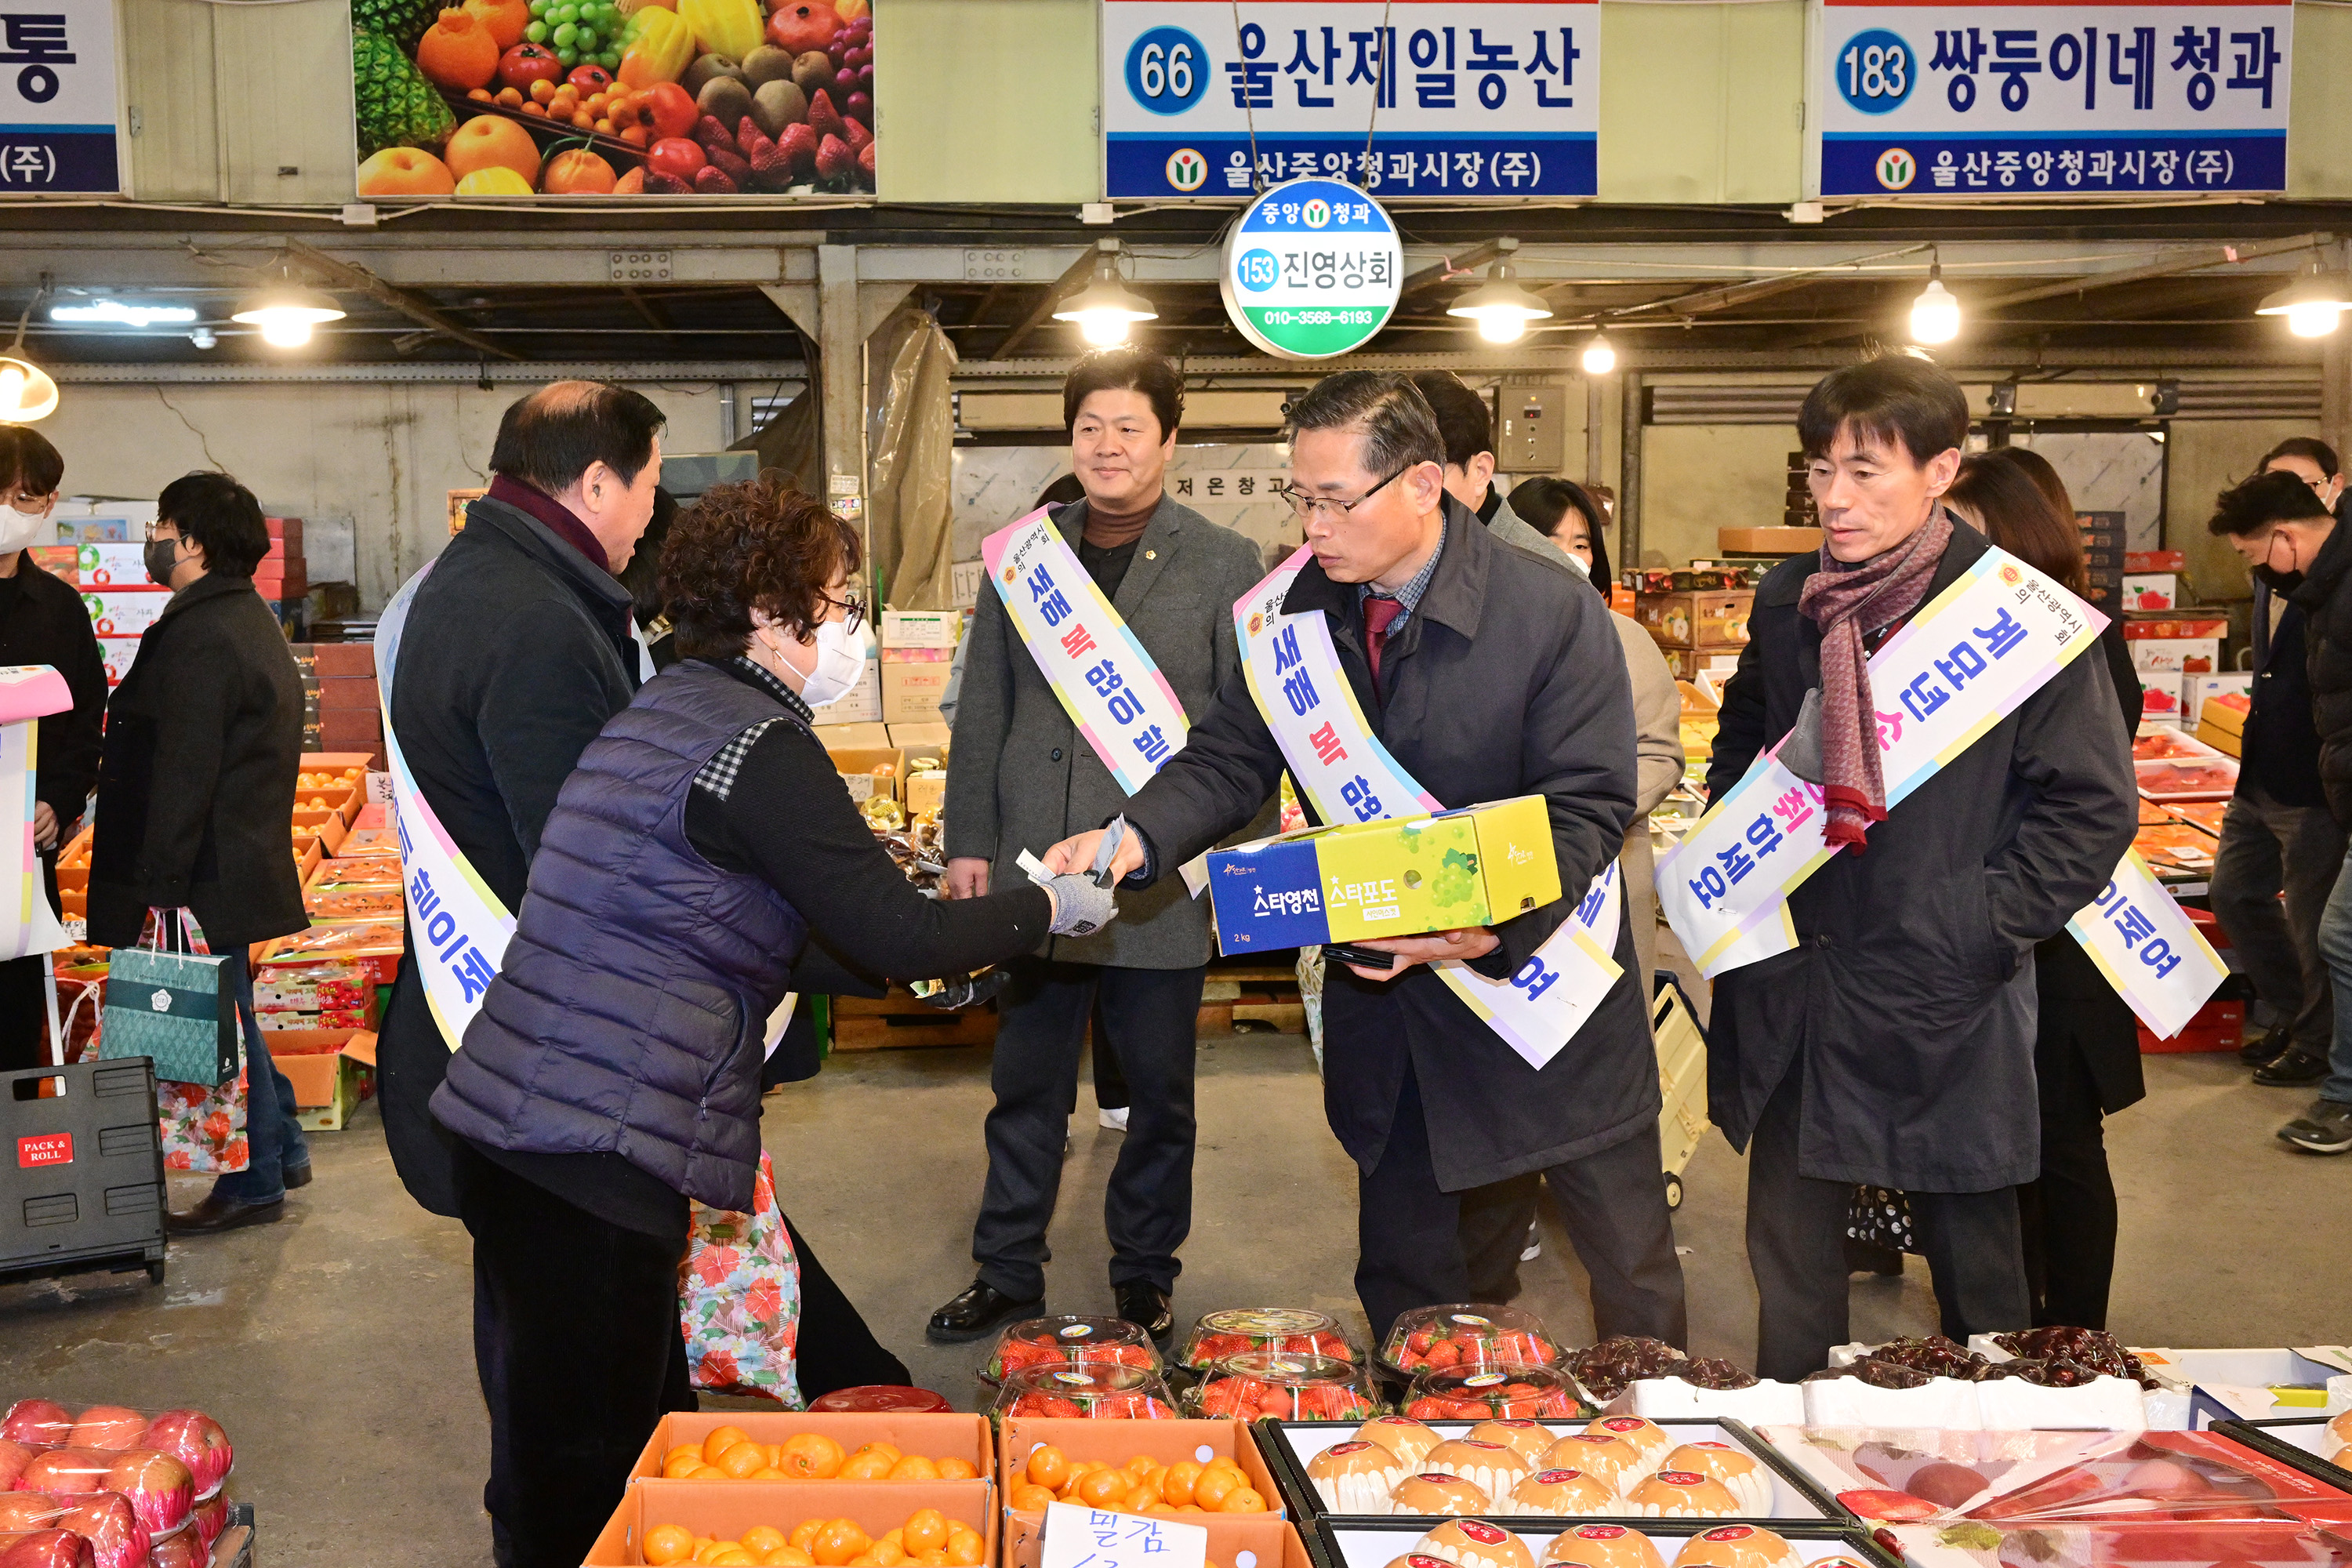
x: 1101, y: 1391
x: 1283, y: 1331
x: 1436, y: 1338
x: 1079, y: 1342
x: 1474, y: 1394
x: 1288, y: 1387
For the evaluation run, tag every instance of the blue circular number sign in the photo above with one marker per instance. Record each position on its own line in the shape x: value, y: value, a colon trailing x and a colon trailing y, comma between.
x: 1167, y: 70
x: 1876, y: 70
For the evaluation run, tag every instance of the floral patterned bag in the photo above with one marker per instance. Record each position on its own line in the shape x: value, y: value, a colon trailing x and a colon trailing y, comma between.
x: 203, y: 1124
x: 738, y: 1298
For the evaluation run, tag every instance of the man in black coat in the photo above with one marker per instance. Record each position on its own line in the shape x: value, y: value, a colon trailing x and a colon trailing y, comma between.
x: 195, y: 798
x: 42, y: 621
x: 1497, y: 675
x: 516, y: 652
x: 1894, y: 1045
x: 2291, y: 531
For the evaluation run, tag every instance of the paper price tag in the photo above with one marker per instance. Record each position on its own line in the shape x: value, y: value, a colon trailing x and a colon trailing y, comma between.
x: 1081, y: 1537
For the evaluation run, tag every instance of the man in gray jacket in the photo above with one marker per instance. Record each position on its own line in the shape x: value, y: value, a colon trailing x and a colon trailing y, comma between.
x: 1020, y: 776
x: 1467, y: 428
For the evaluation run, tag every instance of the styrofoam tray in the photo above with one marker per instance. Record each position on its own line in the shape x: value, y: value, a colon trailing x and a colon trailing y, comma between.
x: 1377, y: 1544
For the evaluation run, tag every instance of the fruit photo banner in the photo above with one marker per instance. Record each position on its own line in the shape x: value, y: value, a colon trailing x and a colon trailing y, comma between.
x: 607, y: 97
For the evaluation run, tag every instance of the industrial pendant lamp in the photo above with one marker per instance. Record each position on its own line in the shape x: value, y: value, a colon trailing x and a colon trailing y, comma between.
x: 1500, y: 307
x: 26, y: 391
x: 1934, y: 314
x: 1106, y: 307
x: 1600, y: 356
x: 286, y: 311
x: 2313, y: 304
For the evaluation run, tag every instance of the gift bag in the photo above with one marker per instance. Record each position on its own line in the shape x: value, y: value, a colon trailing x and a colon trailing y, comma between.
x: 203, y: 1124
x: 177, y: 1008
x: 738, y: 1298
x: 1881, y: 1217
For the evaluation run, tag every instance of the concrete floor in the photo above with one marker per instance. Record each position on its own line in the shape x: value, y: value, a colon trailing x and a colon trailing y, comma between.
x: 335, y: 1344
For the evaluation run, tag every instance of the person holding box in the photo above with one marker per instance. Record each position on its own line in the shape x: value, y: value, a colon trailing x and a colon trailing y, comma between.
x: 1022, y: 775
x: 1478, y: 673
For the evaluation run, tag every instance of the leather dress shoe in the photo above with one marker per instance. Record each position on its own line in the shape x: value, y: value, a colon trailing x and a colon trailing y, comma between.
x: 1145, y: 1305
x: 218, y: 1214
x: 298, y: 1175
x: 2298, y: 1065
x: 980, y: 1311
x: 2272, y: 1045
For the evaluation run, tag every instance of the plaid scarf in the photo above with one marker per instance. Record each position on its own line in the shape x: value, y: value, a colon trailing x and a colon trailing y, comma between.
x: 1844, y: 602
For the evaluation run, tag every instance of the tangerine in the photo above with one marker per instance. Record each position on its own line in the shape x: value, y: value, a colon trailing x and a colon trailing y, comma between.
x: 1100, y: 1488
x: 957, y: 1470
x: 667, y: 1544
x: 913, y: 1468
x: 731, y: 1557
x: 963, y: 1549
x: 892, y: 1449
x: 740, y: 1461
x: 1141, y: 1465
x: 1213, y: 1487
x: 862, y: 1466
x: 934, y: 1559
x: 768, y: 1473
x: 1030, y: 1498
x: 678, y: 1467
x: 1241, y: 1500
x: 887, y: 1554
x: 803, y: 1534
x: 810, y: 1455
x: 926, y: 1531
x: 1141, y: 1500
x: 762, y: 1538
x: 837, y: 1540
x: 1176, y: 1483
x: 789, y: 1557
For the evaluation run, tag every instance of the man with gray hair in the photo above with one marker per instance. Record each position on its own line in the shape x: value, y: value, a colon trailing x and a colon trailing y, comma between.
x: 1486, y: 673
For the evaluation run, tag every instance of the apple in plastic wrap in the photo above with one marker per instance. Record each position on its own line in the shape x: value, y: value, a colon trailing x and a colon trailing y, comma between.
x: 24, y: 1511
x: 181, y: 1551
x: 158, y: 1486
x: 108, y: 1427
x: 42, y: 1422
x: 46, y: 1549
x: 106, y: 1520
x: 197, y: 1441
x: 211, y: 1518
x: 67, y: 1472
x: 14, y: 1458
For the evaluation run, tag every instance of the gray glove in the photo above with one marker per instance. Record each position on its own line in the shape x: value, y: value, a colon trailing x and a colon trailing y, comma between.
x: 1080, y: 908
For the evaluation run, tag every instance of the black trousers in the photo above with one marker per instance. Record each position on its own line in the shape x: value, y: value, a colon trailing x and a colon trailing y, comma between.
x: 1409, y: 1235
x: 2068, y: 1217
x: 1150, y: 1017
x: 1796, y: 1235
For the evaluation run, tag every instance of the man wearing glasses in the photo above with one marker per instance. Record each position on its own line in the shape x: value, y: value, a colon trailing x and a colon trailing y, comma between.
x: 1021, y: 776
x: 1487, y: 673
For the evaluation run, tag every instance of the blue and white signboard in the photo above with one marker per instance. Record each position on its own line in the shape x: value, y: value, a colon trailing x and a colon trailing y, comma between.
x: 57, y: 99
x: 1456, y: 97
x: 2066, y: 99
x: 1312, y: 270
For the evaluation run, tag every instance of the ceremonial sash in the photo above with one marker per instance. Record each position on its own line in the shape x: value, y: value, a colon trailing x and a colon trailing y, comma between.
x: 27, y: 924
x: 458, y: 928
x: 1110, y: 686
x: 1295, y: 677
x: 2149, y: 949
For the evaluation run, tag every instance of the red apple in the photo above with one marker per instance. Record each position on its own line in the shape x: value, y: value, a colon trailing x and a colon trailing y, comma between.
x: 197, y: 1441
x: 158, y: 1486
x: 211, y: 1518
x: 14, y: 1458
x: 181, y: 1551
x: 22, y: 1511
x: 68, y: 1472
x: 117, y: 1537
x: 46, y: 1549
x: 108, y: 1427
x: 43, y: 1423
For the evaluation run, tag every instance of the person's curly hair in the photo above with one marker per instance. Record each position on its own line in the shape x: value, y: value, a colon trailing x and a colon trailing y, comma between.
x: 757, y: 545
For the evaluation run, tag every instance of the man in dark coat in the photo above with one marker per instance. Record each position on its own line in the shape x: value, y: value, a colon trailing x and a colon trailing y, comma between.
x: 1894, y: 1045
x: 1021, y: 777
x: 195, y: 798
x: 516, y: 652
x: 1487, y: 672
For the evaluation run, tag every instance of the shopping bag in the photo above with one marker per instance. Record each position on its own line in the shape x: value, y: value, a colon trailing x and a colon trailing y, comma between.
x: 738, y: 1298
x: 178, y: 1008
x: 1880, y: 1217
x: 203, y: 1124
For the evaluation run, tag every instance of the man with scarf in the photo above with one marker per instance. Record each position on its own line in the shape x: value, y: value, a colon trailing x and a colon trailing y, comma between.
x: 1894, y: 1045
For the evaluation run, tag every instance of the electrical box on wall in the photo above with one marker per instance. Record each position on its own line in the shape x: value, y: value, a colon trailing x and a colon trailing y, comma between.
x: 1531, y: 431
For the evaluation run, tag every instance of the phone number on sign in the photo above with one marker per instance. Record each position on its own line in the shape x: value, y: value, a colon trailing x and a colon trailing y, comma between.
x: 1322, y: 318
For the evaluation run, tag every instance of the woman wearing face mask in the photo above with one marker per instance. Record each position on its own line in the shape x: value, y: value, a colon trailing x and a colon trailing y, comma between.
x: 42, y: 621
x: 701, y: 862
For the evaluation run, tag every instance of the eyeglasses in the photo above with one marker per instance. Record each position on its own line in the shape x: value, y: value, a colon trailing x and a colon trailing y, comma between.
x: 853, y: 610
x: 25, y: 503
x: 1310, y: 507
x: 161, y: 522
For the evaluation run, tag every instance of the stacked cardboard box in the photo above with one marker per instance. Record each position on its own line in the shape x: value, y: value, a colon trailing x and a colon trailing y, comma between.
x: 917, y: 653
x: 2102, y: 554
x: 282, y: 576
x: 1697, y: 628
x: 350, y: 713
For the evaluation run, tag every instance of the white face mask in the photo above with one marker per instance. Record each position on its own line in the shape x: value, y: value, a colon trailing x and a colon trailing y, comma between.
x: 18, y: 528
x: 840, y: 663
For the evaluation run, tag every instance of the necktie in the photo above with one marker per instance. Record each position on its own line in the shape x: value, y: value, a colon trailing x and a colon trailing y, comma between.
x: 1379, y: 614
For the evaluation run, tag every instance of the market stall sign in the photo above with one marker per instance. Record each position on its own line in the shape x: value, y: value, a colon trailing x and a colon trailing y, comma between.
x: 1311, y: 269
x: 2051, y: 100
x: 1440, y: 98
x: 57, y: 100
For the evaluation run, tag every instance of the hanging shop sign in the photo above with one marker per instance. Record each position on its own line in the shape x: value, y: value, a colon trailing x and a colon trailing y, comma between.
x: 2051, y: 100
x: 609, y: 98
x: 1311, y: 269
x: 1440, y: 98
x: 57, y: 100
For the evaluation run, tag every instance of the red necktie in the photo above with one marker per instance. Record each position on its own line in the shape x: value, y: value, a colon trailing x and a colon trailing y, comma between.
x: 1379, y: 614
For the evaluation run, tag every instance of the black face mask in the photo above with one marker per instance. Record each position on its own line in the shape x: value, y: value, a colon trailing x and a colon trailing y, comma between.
x: 2280, y: 582
x: 162, y: 555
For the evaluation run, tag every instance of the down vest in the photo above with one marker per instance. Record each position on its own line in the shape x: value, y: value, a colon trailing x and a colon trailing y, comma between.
x: 627, y: 1015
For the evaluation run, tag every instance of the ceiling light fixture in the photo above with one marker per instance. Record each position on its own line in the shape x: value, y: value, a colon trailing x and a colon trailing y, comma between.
x: 2313, y: 304
x: 26, y: 391
x: 286, y: 312
x: 1600, y: 356
x: 1934, y: 314
x: 1106, y: 307
x: 119, y: 313
x: 1501, y: 308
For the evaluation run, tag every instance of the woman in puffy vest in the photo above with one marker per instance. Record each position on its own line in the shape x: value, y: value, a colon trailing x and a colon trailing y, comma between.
x: 703, y: 861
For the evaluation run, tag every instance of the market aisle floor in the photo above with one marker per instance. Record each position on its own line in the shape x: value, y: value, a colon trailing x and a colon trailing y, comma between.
x: 335, y: 1344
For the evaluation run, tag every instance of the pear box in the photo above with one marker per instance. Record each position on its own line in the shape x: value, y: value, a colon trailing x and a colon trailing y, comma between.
x: 1480, y: 864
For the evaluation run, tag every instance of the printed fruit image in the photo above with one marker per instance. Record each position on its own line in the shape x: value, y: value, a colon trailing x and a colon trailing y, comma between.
x: 489, y: 141
x: 405, y: 172
x: 506, y: 19
x: 402, y: 21
x: 578, y: 173
x: 457, y: 51
x: 799, y: 25
x: 493, y: 180
x: 527, y: 63
x: 395, y: 106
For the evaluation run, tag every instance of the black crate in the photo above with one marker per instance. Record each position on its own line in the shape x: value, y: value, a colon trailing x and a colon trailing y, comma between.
x: 81, y: 1173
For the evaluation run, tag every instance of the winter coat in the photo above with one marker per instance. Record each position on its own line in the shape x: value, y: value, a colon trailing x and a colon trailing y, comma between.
x: 196, y: 786
x: 1021, y: 777
x: 2325, y: 597
x: 516, y: 652
x: 1909, y: 999
x: 1506, y: 681
x: 44, y: 621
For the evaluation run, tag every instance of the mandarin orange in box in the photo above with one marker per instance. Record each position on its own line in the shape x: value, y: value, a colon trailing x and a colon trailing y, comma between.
x: 927, y: 1540
x: 731, y: 1454
x: 1143, y: 1485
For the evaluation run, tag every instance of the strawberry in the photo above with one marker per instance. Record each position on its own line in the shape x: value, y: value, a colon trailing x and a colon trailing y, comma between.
x: 714, y: 137
x: 798, y: 145
x: 855, y: 133
x: 736, y: 167
x: 663, y: 185
x: 712, y: 180
x: 833, y: 160
x: 866, y: 162
x: 822, y: 117
x: 759, y: 150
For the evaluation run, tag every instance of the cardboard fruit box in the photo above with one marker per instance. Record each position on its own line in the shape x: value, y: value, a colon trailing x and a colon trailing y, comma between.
x: 1477, y: 866
x: 1235, y: 1540
x: 1116, y: 1442
x: 945, y: 1436
x: 725, y: 1510
x: 1712, y: 618
x: 329, y: 1078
